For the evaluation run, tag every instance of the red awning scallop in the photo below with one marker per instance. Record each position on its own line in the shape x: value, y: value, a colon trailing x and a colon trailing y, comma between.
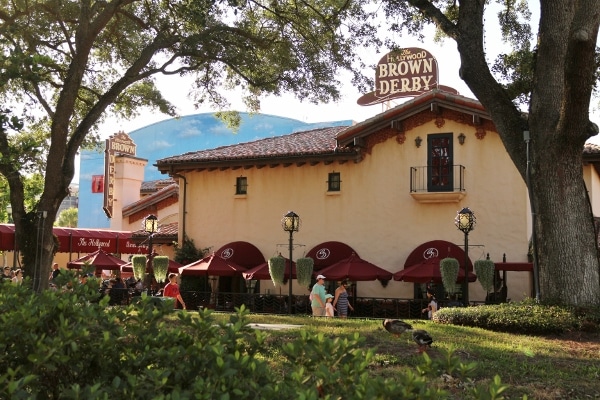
x: 328, y: 253
x: 241, y: 253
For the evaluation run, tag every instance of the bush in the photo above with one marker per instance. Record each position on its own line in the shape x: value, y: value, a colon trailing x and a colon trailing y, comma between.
x: 526, y: 317
x: 61, y: 345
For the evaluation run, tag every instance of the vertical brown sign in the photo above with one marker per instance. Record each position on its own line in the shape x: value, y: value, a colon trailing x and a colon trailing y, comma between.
x: 120, y: 143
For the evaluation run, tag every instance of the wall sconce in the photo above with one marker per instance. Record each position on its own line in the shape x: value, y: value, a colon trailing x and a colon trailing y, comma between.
x: 418, y: 141
x: 461, y: 139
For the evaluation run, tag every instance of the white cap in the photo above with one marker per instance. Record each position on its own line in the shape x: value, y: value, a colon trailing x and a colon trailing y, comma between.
x: 320, y: 277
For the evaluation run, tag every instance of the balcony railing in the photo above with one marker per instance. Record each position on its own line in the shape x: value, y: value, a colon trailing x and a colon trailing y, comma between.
x: 437, y: 184
x: 437, y: 178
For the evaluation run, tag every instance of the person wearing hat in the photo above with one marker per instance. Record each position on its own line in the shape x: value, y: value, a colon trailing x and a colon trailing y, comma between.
x: 7, y: 274
x: 318, y: 297
x: 329, y: 305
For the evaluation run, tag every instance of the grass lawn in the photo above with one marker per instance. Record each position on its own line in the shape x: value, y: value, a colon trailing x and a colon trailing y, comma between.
x: 557, y: 367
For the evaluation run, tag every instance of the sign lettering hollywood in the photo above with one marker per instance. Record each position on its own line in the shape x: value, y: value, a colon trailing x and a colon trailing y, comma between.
x: 403, y: 73
x: 91, y: 242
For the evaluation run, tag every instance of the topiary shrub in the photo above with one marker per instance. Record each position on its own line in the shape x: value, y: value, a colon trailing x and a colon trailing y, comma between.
x: 277, y: 269
x: 304, y: 270
x: 139, y: 266
x: 160, y: 265
x: 449, y: 270
x: 485, y: 270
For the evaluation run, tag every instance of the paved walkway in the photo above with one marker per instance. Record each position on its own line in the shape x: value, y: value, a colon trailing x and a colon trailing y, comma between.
x: 274, y: 327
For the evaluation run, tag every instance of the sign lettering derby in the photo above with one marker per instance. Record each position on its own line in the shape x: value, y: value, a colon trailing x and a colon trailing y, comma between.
x: 404, y: 73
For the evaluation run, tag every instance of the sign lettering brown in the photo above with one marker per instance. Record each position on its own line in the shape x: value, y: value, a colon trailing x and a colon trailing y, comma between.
x: 120, y: 143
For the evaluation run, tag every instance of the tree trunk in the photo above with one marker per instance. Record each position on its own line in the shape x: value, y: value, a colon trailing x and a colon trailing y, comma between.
x: 37, y: 245
x: 566, y: 241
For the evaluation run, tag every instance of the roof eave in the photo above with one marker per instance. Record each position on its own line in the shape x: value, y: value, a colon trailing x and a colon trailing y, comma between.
x: 257, y: 162
x: 428, y: 102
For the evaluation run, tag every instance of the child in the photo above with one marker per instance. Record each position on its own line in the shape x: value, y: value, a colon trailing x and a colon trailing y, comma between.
x: 329, y: 305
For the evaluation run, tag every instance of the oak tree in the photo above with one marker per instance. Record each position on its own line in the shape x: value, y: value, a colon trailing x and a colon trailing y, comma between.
x: 72, y: 62
x: 553, y: 74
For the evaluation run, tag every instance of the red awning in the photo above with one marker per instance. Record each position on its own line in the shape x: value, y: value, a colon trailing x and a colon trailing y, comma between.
x: 514, y: 266
x: 427, y: 271
x: 437, y: 249
x: 7, y: 237
x: 244, y: 254
x: 328, y: 253
x: 75, y: 240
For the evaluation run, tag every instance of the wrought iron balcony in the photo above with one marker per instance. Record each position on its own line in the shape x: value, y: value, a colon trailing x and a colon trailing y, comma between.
x: 437, y: 184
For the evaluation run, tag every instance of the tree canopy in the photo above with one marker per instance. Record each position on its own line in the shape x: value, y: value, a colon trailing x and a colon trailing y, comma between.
x: 70, y: 63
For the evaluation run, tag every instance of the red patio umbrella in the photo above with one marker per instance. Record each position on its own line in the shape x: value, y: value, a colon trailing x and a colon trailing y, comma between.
x: 354, y: 268
x: 261, y: 272
x: 426, y: 271
x: 211, y: 266
x: 99, y: 259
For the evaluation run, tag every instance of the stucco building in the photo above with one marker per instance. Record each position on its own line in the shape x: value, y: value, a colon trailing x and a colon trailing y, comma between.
x: 386, y: 187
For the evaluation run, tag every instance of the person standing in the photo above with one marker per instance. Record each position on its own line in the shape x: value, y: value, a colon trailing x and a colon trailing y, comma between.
x: 7, y: 275
x: 55, y: 271
x: 18, y: 278
x: 318, y: 297
x: 172, y: 290
x: 432, y: 306
x: 329, y: 305
x: 340, y: 302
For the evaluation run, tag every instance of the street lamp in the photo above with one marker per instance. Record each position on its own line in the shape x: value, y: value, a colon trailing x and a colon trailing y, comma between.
x: 151, y: 227
x: 291, y: 224
x: 465, y: 222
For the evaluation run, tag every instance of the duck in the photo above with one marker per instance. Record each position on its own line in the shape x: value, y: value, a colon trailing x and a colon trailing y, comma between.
x: 423, y: 339
x: 396, y: 326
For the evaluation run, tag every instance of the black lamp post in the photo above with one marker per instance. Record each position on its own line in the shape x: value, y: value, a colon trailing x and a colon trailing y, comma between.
x: 291, y: 224
x: 150, y: 226
x: 465, y: 222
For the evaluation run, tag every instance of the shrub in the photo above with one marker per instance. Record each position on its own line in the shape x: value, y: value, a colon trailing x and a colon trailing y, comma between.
x: 525, y: 317
x: 60, y: 344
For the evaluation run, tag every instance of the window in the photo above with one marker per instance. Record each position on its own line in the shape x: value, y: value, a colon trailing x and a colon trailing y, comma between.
x: 241, y: 185
x: 334, y: 182
x: 439, y: 163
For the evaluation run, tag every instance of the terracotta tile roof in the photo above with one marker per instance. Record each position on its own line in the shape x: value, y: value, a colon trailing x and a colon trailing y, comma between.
x: 153, y: 186
x: 154, y: 198
x: 317, y: 144
x: 591, y: 148
x: 167, y: 233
